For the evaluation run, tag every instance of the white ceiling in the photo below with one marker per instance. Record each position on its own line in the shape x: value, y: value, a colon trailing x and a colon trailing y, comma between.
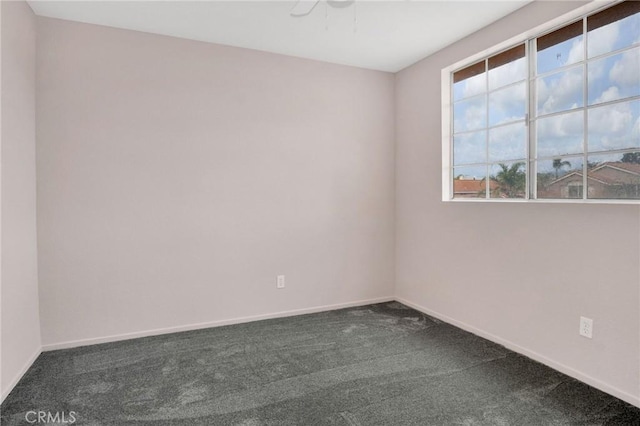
x: 388, y: 35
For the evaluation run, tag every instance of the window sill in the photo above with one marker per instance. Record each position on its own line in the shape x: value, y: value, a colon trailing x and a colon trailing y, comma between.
x: 541, y: 201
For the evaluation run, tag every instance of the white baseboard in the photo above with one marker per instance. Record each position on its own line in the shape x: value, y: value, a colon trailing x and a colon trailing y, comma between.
x: 21, y: 372
x: 625, y: 396
x: 198, y: 326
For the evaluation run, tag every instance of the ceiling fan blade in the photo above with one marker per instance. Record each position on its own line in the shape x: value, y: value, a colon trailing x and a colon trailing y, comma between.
x: 303, y: 7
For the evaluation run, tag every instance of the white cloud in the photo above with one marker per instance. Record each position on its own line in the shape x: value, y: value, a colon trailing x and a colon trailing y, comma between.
x: 556, y: 94
x: 475, y: 117
x: 615, y: 77
x: 507, y: 104
x: 508, y: 73
x: 470, y: 114
x: 603, y: 39
x: 596, y: 70
x: 635, y: 131
x: 626, y: 71
x: 475, y: 85
x: 469, y: 148
x: 560, y: 134
x: 610, y: 119
x: 611, y: 94
x: 561, y: 126
x: 507, y: 142
x: 612, y: 127
x: 576, y: 53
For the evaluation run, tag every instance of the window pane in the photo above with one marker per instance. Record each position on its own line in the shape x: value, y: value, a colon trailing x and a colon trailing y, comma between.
x: 470, y: 81
x: 560, y: 134
x: 469, y: 182
x: 508, y: 180
x: 508, y: 104
x: 560, y: 178
x: 614, y: 77
x: 614, y: 176
x: 469, y: 148
x: 560, y: 91
x: 507, y: 67
x: 615, y: 126
x: 508, y: 142
x: 560, y: 48
x: 614, y: 28
x: 470, y: 114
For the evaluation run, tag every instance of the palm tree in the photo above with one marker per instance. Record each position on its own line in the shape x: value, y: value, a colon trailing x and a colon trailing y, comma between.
x: 558, y: 164
x: 510, y: 181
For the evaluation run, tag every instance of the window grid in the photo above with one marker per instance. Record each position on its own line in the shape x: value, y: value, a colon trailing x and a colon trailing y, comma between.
x: 532, y: 115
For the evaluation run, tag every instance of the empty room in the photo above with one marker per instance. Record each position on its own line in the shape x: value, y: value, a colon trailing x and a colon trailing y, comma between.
x: 320, y: 212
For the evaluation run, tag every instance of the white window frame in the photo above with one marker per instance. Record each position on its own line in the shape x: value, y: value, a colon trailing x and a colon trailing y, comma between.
x: 447, y: 109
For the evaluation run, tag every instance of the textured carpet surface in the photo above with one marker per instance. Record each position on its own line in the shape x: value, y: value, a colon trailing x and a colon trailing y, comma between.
x: 382, y: 364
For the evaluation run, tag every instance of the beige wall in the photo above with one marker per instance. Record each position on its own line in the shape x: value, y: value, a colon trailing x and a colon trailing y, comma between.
x: 20, y: 322
x: 520, y: 274
x: 176, y: 179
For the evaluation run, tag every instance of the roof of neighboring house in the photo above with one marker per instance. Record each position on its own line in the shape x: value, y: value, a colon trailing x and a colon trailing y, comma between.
x: 462, y: 186
x: 589, y: 176
x: 633, y: 168
x: 594, y: 174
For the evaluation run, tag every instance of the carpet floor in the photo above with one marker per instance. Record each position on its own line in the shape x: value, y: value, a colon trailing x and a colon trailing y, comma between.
x: 383, y: 364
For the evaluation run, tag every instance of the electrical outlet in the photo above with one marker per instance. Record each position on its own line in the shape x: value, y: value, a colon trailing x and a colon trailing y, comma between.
x: 586, y: 327
x: 280, y: 281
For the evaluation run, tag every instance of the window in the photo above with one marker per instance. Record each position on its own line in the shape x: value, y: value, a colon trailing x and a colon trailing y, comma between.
x: 575, y: 190
x: 556, y: 116
x: 489, y: 125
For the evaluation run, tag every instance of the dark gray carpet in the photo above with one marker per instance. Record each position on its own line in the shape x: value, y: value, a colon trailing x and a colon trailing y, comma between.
x: 382, y: 364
